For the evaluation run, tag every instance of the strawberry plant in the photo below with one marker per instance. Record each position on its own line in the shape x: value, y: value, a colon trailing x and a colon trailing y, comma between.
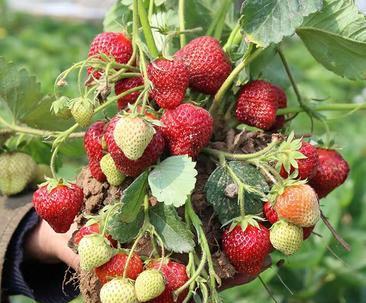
x: 199, y: 170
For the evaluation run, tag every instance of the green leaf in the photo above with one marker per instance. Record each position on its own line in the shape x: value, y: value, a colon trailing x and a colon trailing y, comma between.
x: 20, y: 299
x: 173, y: 231
x: 336, y: 37
x: 21, y: 99
x: 173, y: 180
x: 119, y: 17
x: 133, y: 198
x: 124, y: 232
x: 227, y: 208
x: 269, y: 21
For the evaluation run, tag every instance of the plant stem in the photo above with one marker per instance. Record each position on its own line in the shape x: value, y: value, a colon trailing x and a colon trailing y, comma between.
x: 147, y: 30
x: 194, y: 277
x: 290, y: 76
x: 219, y: 19
x: 53, y: 162
x: 234, y: 38
x: 240, y: 186
x: 219, y: 154
x: 182, y: 26
x: 35, y: 131
x: 229, y: 80
x: 221, y: 22
x: 322, y: 107
x: 151, y: 9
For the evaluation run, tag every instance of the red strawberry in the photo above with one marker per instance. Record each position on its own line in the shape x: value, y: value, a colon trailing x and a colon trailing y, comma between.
x: 129, y: 167
x: 124, y: 85
x: 307, y: 167
x: 170, y: 81
x: 270, y: 213
x: 307, y: 231
x: 272, y: 218
x: 207, y: 64
x: 89, y: 230
x: 257, y: 104
x: 282, y: 103
x: 175, y: 276
x: 332, y: 171
x: 247, y: 249
x: 58, y: 204
x: 115, y: 267
x: 115, y: 45
x: 187, y: 128
x: 94, y: 150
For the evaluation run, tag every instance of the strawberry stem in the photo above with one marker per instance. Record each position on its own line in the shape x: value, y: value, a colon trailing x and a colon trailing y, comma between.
x: 290, y: 76
x: 53, y: 162
x: 242, y: 157
x: 234, y: 38
x: 182, y: 26
x: 216, y: 27
x: 150, y: 42
x: 323, y: 107
x: 229, y: 80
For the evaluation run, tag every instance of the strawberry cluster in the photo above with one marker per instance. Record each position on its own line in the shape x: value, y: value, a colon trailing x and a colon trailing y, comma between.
x: 156, y: 120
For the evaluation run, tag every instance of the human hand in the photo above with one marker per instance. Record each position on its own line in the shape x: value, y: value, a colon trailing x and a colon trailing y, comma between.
x: 47, y: 246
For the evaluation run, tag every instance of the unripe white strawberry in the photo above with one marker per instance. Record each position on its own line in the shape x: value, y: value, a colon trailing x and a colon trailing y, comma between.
x: 82, y: 110
x: 149, y: 285
x: 118, y: 291
x: 133, y: 135
x: 94, y: 250
x: 16, y: 171
x: 110, y: 170
x: 286, y: 237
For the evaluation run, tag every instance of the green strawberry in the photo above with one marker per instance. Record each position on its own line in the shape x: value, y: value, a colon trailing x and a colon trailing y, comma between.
x: 118, y: 291
x: 16, y: 172
x: 42, y: 172
x: 82, y: 110
x: 94, y: 250
x: 149, y: 285
x: 61, y: 107
x: 132, y: 136
x: 286, y: 237
x: 109, y: 169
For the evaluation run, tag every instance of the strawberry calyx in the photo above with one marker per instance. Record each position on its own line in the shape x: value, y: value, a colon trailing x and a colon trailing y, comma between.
x: 53, y: 183
x: 287, y: 154
x: 245, y: 221
x: 279, y: 188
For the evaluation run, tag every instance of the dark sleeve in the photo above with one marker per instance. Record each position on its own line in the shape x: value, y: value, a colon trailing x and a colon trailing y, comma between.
x: 41, y: 282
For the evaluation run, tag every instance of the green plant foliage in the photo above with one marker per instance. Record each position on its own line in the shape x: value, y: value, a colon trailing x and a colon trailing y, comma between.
x: 225, y: 207
x: 133, y: 198
x: 174, y: 232
x: 268, y: 21
x: 124, y: 232
x: 336, y: 37
x: 173, y: 180
x: 117, y: 18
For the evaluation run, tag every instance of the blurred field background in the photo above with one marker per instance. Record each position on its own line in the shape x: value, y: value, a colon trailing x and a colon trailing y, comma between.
x: 322, y: 272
